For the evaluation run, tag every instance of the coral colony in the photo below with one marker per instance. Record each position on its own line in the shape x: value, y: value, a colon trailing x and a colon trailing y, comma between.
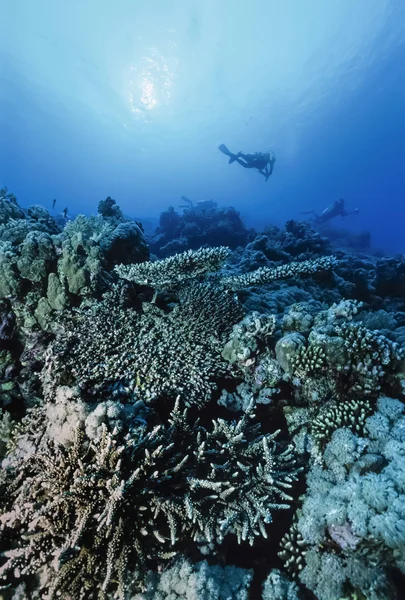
x: 165, y: 417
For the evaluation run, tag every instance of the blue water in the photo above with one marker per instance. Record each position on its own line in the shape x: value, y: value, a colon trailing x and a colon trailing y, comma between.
x: 132, y: 98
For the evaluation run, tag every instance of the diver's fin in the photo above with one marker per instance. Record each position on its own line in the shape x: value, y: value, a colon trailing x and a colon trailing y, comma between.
x: 225, y: 150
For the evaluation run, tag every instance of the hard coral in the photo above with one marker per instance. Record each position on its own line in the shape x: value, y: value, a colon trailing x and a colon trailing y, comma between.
x: 94, y: 513
x: 154, y: 353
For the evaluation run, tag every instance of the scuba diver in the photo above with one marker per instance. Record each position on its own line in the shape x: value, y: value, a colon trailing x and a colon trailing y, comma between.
x: 262, y: 161
x: 336, y: 209
x: 201, y: 206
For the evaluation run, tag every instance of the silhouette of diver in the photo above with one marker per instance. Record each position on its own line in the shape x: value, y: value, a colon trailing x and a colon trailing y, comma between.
x: 336, y: 209
x: 262, y: 161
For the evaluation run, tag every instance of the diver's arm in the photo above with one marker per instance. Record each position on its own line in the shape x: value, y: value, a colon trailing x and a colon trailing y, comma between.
x: 267, y: 172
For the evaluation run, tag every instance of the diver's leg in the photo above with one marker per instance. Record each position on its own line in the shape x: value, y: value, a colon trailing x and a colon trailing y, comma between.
x: 244, y: 164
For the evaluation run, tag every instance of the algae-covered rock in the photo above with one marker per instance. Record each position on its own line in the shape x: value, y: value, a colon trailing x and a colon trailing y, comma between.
x: 110, y: 210
x: 81, y: 265
x: 43, y: 314
x: 9, y: 208
x: 10, y: 282
x: 37, y: 256
x: 7, y: 321
x: 39, y: 216
x: 127, y: 245
x: 56, y: 293
x: 286, y: 346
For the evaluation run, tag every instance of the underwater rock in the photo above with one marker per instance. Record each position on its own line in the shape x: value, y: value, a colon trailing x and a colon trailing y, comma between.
x: 197, y: 227
x: 126, y: 245
x: 110, y: 210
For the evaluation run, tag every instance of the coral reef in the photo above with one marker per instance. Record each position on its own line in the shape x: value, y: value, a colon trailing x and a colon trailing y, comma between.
x: 220, y: 424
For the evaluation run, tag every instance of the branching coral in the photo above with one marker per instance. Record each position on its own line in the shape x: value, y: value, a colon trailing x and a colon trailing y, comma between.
x: 370, y: 357
x: 154, y: 353
x: 89, y: 516
x: 190, y: 264
x: 292, y: 551
x: 358, y: 361
x: 175, y: 269
x: 307, y: 361
x: 267, y: 275
x: 347, y: 413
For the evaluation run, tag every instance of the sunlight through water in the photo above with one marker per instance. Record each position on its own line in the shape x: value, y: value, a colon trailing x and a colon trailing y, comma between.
x: 151, y: 82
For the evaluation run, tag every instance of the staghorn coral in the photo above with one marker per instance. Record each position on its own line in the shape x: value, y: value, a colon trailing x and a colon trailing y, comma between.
x: 92, y: 514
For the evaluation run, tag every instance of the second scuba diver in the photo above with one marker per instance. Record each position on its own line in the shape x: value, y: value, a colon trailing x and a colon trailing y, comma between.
x: 336, y: 209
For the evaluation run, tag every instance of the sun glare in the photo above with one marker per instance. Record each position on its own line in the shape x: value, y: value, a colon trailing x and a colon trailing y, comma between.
x: 150, y: 83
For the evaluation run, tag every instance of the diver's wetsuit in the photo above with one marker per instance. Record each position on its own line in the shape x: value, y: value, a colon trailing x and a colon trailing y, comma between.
x: 252, y: 161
